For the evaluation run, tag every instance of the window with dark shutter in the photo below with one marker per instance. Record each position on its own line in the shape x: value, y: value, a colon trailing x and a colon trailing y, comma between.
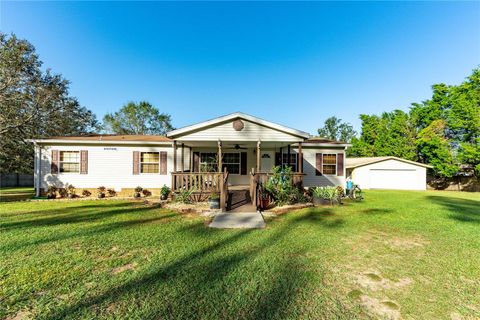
x: 318, y: 164
x: 54, y: 163
x: 278, y: 159
x: 196, y: 162
x: 84, y: 162
x: 163, y: 162
x: 136, y: 162
x: 340, y: 164
x: 243, y: 163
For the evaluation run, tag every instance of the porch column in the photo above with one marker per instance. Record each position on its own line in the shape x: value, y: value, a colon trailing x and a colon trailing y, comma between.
x: 190, y: 165
x: 174, y: 156
x: 300, y: 158
x: 39, y: 170
x: 182, y: 166
x: 281, y: 157
x: 259, y: 168
x: 219, y: 155
x: 289, y: 162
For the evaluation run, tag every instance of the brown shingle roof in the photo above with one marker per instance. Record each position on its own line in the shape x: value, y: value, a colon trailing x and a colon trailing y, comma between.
x: 323, y: 140
x: 113, y: 137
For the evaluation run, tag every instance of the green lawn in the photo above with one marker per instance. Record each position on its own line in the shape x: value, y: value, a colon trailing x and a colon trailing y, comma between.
x: 414, y: 255
x: 16, y: 194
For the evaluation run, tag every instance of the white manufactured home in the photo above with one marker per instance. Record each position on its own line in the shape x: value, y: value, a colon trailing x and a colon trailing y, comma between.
x: 216, y: 155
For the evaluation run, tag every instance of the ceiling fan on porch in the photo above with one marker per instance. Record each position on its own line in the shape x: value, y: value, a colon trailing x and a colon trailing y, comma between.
x: 237, y: 147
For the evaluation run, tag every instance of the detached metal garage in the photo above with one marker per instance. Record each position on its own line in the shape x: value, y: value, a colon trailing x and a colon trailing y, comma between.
x: 387, y: 173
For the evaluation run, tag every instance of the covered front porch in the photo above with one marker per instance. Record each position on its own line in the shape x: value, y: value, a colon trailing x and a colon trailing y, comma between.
x: 231, y: 169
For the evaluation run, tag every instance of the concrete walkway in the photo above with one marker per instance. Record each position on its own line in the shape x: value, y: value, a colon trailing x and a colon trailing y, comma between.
x: 240, y: 220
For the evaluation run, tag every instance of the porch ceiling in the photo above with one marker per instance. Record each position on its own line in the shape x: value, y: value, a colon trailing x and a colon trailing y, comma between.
x: 231, y: 144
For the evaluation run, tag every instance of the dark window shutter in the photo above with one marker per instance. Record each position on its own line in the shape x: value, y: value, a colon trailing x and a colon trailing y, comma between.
x: 318, y: 164
x: 298, y: 165
x: 163, y: 162
x: 196, y: 162
x: 84, y: 162
x: 243, y: 163
x: 339, y: 164
x: 136, y: 162
x: 278, y: 159
x: 55, y: 161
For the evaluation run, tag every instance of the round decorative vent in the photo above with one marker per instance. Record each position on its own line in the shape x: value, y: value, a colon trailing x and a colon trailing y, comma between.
x: 238, y: 125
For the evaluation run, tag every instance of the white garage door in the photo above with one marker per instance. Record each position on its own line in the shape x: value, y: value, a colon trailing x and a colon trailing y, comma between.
x: 404, y: 179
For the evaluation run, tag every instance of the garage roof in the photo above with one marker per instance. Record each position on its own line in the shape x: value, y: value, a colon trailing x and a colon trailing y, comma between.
x: 358, y: 162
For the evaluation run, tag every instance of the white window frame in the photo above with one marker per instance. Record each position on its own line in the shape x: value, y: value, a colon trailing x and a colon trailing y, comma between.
x: 329, y: 164
x: 60, y: 162
x: 223, y: 163
x: 140, y: 162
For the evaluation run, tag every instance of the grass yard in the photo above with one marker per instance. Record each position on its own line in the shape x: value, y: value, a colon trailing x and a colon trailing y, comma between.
x: 16, y: 194
x: 414, y: 255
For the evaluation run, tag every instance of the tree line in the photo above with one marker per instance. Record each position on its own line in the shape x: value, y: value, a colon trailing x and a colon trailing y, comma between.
x: 443, y: 131
x: 36, y: 103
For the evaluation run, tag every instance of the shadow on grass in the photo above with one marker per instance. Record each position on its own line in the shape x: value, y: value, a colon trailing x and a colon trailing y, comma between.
x: 131, y: 210
x: 463, y: 210
x: 199, y: 284
x: 377, y: 211
x: 325, y: 217
x: 72, y: 214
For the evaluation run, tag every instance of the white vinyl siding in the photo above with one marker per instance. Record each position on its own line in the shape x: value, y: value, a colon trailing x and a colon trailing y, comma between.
x: 109, y: 166
x: 309, y: 162
x: 251, y: 132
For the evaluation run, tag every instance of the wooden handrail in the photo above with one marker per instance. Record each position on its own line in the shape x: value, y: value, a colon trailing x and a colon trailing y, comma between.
x: 203, y: 183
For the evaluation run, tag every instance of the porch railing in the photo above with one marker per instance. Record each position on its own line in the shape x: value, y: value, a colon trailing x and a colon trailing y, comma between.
x: 202, y: 184
x: 260, y: 178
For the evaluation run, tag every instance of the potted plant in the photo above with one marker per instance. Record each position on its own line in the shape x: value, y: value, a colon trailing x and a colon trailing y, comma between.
x: 214, y: 201
x: 52, y: 192
x: 264, y: 198
x: 71, y: 191
x: 164, y: 192
x: 137, y: 192
x: 101, y: 192
x: 86, y: 193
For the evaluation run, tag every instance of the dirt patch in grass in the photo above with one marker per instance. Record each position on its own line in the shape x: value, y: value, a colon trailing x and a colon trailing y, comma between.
x: 372, y: 280
x: 20, y: 315
x: 197, y: 207
x: 406, y: 243
x: 288, y: 208
x: 130, y: 266
x: 386, y: 309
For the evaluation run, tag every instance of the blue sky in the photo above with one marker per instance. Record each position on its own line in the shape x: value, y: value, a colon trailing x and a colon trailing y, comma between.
x: 291, y: 63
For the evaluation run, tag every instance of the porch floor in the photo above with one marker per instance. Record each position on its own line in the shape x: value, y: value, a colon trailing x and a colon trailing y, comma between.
x: 238, y: 220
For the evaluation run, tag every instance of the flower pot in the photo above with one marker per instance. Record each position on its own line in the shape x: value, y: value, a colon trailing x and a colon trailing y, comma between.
x: 163, y: 197
x: 214, y: 203
x: 264, y: 203
x: 101, y: 195
x: 136, y: 195
x: 71, y: 196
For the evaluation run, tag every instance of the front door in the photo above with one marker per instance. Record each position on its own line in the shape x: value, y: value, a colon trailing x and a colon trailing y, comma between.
x: 267, y: 160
